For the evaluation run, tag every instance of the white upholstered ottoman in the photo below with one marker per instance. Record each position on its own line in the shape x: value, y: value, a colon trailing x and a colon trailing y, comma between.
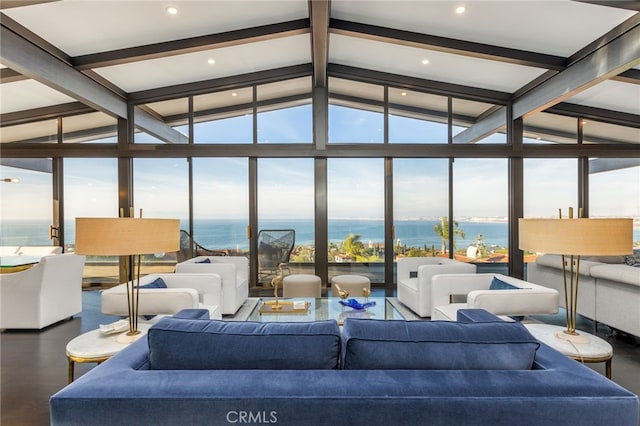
x: 354, y: 284
x: 301, y: 285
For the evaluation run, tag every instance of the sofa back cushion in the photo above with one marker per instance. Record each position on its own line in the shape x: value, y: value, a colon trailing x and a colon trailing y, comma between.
x: 436, y: 345
x: 183, y: 344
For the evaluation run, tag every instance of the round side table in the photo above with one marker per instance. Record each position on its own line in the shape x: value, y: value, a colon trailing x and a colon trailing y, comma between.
x: 595, y: 350
x: 95, y: 346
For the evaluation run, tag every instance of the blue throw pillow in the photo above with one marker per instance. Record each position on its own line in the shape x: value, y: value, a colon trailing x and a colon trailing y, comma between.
x: 181, y: 344
x: 207, y: 260
x: 436, y: 345
x: 498, y: 284
x: 157, y: 283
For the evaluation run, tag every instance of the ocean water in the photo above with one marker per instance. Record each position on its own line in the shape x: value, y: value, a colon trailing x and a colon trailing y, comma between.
x: 232, y: 234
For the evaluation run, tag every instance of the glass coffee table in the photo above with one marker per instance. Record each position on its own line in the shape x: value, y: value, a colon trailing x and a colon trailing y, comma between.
x: 324, y: 308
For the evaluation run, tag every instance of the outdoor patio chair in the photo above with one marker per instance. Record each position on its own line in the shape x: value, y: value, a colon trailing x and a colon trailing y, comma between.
x: 274, y: 248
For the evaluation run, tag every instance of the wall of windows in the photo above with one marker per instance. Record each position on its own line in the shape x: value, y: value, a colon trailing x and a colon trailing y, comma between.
x: 234, y: 170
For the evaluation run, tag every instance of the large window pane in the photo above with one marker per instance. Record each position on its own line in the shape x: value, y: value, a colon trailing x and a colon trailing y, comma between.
x: 175, y: 114
x: 286, y: 201
x: 355, y: 112
x: 224, y: 117
x: 416, y: 117
x: 624, y: 201
x: 466, y: 113
x: 95, y: 127
x: 549, y: 184
x: 355, y: 203
x: 480, y: 205
x: 547, y: 128
x: 285, y: 125
x: 91, y: 190
x: 221, y: 204
x: 26, y: 206
x: 161, y: 190
x: 420, y: 201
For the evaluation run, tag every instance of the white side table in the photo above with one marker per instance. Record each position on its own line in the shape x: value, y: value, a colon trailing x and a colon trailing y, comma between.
x: 595, y: 350
x: 95, y: 346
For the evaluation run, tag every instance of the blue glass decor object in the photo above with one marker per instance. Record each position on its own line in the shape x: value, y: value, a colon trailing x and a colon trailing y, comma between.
x: 353, y: 303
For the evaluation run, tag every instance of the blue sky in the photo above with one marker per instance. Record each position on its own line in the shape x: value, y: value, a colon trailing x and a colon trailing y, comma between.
x: 286, y: 185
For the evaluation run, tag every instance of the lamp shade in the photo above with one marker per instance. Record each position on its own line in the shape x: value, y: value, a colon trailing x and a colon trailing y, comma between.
x: 580, y: 237
x: 126, y: 236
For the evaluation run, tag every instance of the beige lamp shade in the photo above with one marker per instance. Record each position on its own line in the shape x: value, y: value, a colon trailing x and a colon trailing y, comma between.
x: 580, y: 237
x: 126, y: 236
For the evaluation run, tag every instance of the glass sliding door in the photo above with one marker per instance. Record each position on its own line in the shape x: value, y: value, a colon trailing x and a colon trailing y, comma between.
x: 480, y: 206
x: 26, y: 206
x: 91, y: 190
x: 420, y: 201
x: 221, y: 204
x: 161, y: 190
x: 286, y: 201
x: 355, y: 206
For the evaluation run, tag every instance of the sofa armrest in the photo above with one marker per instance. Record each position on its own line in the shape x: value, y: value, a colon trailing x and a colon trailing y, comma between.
x: 443, y: 286
x: 193, y: 314
x: 533, y: 301
x: 153, y: 301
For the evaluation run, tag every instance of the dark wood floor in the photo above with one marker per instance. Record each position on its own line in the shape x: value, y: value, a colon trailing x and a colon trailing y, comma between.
x: 33, y: 363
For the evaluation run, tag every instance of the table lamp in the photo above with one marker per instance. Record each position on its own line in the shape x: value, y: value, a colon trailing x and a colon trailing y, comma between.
x: 573, y: 238
x: 128, y: 237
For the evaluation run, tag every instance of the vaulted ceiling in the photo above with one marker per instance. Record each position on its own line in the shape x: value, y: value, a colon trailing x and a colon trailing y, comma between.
x: 580, y: 59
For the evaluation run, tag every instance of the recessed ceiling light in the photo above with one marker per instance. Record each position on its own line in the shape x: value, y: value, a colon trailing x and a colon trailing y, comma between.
x: 403, y: 94
x: 172, y: 10
x: 234, y: 94
x: 211, y: 61
x: 425, y: 61
x: 460, y: 10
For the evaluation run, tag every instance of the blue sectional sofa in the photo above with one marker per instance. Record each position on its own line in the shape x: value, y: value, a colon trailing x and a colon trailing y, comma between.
x: 478, y: 371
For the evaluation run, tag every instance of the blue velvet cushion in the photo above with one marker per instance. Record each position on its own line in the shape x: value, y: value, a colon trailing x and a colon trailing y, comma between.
x: 436, y: 345
x: 498, y: 284
x: 157, y: 283
x: 207, y: 260
x: 182, y: 344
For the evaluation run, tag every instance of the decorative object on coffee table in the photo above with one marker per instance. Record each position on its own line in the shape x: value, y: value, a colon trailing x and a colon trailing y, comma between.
x: 573, y: 238
x: 128, y: 237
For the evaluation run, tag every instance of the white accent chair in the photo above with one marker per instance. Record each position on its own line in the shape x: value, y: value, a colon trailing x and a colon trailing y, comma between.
x: 234, y: 271
x: 527, y: 299
x: 183, y: 291
x: 414, y: 279
x: 48, y: 292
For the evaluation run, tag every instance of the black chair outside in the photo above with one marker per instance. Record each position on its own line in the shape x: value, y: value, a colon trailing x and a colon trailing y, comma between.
x: 274, y: 249
x: 190, y: 249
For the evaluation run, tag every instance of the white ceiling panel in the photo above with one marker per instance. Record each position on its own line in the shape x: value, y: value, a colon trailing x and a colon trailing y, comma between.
x: 555, y: 27
x: 611, y: 94
x: 87, y: 26
x: 29, y: 94
x: 192, y: 67
x: 443, y: 67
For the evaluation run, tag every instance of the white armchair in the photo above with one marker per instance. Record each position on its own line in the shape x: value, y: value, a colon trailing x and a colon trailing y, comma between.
x: 525, y: 299
x: 414, y: 279
x: 48, y: 292
x: 234, y: 271
x: 183, y: 291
